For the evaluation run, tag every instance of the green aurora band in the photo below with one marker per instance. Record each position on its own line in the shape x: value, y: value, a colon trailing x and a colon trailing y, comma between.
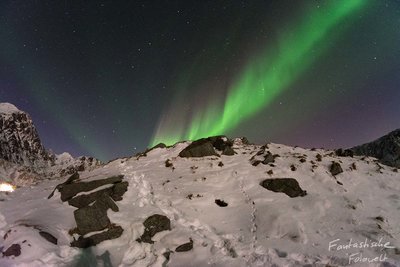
x: 267, y: 76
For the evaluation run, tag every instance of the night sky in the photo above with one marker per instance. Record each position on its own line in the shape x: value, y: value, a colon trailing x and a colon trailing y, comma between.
x: 110, y: 78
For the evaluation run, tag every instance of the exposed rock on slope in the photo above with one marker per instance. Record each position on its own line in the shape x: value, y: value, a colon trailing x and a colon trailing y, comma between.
x: 91, y: 215
x: 386, y: 149
x: 289, y: 186
x: 206, y: 147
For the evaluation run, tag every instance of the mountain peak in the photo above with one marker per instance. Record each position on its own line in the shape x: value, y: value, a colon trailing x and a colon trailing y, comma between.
x: 7, y: 108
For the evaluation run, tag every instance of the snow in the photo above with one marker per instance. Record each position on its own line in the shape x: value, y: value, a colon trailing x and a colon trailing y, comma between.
x: 7, y: 108
x: 64, y: 158
x: 257, y: 228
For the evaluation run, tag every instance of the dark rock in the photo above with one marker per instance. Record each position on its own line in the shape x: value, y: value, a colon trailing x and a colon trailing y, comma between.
x: 13, y: 250
x: 289, y: 186
x: 144, y: 153
x: 268, y: 158
x: 353, y: 166
x: 85, y: 242
x: 293, y: 168
x: 386, y: 149
x: 199, y: 148
x: 154, y: 224
x: 220, y: 164
x: 270, y: 172
x: 68, y: 191
x: 205, y: 147
x: 228, y: 151
x: 245, y: 141
x: 218, y: 142
x: 159, y: 145
x: 94, y: 218
x: 335, y: 168
x: 221, y: 203
x: 344, y: 152
x: 185, y: 247
x: 115, y: 192
x: 48, y: 237
x: 166, y: 254
x: 319, y: 157
x: 70, y: 180
x: 168, y: 163
x: 263, y: 156
x: 118, y: 190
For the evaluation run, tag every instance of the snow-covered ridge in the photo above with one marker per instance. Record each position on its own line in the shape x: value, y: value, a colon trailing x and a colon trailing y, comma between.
x: 7, y: 108
x: 257, y: 227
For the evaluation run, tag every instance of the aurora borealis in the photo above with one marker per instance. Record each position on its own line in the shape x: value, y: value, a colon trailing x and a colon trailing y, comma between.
x: 264, y: 78
x: 109, y: 78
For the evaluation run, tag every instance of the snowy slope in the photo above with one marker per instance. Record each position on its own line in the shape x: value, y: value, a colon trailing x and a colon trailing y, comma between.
x: 7, y: 108
x: 257, y: 228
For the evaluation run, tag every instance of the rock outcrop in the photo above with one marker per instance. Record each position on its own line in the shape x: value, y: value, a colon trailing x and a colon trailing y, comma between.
x: 19, y: 140
x: 91, y: 215
x: 152, y: 225
x: 386, y: 149
x: 289, y: 186
x: 263, y: 156
x: 206, y: 147
x: 335, y: 168
x: 23, y: 158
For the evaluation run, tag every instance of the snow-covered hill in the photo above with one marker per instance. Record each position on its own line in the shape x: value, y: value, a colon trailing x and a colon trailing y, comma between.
x: 219, y: 212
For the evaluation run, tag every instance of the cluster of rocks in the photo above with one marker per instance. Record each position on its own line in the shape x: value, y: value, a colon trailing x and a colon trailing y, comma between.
x: 208, y: 146
x: 91, y: 215
x: 263, y: 156
x: 157, y: 223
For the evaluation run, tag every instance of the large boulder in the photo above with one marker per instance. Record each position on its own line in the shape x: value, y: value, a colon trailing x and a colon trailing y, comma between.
x: 115, y: 192
x: 152, y: 225
x: 335, y: 168
x: 289, y: 186
x: 185, y: 247
x: 68, y: 191
x: 114, y: 231
x: 206, y: 147
x: 13, y: 250
x: 91, y: 215
x: 94, y: 218
x: 199, y: 148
